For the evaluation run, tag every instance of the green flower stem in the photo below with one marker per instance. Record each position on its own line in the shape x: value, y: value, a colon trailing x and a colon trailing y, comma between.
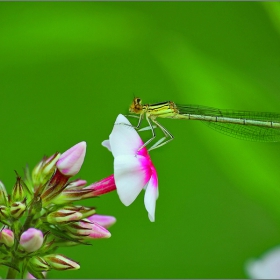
x: 12, y: 273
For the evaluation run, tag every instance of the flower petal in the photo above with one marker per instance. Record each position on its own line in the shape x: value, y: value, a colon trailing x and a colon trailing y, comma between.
x: 103, y: 220
x: 130, y: 177
x: 266, y: 267
x: 124, y: 140
x: 106, y: 144
x: 151, y: 196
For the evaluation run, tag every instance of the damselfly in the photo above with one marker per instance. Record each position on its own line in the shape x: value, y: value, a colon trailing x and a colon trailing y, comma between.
x: 256, y: 126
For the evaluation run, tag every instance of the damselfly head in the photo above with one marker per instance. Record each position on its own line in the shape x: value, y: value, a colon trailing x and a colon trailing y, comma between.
x: 136, y: 106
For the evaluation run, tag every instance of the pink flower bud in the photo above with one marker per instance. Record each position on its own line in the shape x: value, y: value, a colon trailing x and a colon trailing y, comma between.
x: 60, y: 262
x: 102, y: 220
x: 76, y: 184
x: 97, y: 231
x: 7, y: 237
x: 31, y: 240
x: 103, y: 186
x: 70, y: 162
x: 64, y: 216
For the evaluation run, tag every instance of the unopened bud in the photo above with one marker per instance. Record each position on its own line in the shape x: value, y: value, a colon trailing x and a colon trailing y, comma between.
x: 73, y: 192
x: 18, y: 208
x: 18, y: 191
x: 102, y: 220
x: 60, y: 262
x: 31, y: 240
x: 7, y: 237
x: 38, y: 264
x: 44, y: 169
x: 79, y: 229
x: 101, y: 187
x: 76, y: 184
x: 97, y: 231
x: 49, y: 166
x: 54, y: 187
x: 71, y: 195
x: 4, y: 212
x: 71, y: 161
x: 85, y: 211
x: 64, y: 216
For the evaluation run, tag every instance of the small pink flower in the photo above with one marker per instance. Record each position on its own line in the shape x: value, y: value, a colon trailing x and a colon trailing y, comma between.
x: 266, y: 267
x: 133, y: 169
x: 70, y: 162
x: 31, y: 240
x: 102, y: 220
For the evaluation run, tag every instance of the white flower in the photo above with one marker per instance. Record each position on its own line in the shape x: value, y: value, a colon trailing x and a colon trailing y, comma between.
x: 133, y: 169
x: 266, y: 267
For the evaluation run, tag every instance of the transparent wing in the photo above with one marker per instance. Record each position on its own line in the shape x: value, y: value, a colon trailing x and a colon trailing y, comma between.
x: 241, y: 131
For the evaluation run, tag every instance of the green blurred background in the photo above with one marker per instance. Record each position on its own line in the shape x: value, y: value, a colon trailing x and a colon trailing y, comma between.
x: 68, y: 70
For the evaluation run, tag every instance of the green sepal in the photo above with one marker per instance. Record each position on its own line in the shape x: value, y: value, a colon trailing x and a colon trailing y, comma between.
x: 64, y: 235
x: 36, y: 274
x: 28, y: 180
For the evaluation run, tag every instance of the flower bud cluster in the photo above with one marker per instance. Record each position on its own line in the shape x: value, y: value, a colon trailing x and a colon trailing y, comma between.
x: 39, y: 216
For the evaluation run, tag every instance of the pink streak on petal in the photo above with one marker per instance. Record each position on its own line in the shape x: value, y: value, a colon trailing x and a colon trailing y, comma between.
x: 71, y: 161
x: 146, y: 165
x: 143, y: 152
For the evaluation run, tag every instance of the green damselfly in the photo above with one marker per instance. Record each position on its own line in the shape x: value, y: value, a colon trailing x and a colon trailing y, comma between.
x: 256, y: 126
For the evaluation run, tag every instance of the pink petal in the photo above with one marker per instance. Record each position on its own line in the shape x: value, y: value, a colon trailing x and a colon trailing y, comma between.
x: 71, y: 161
x: 151, y: 196
x: 31, y: 240
x: 103, y: 220
x: 124, y: 139
x: 97, y: 231
x: 130, y: 177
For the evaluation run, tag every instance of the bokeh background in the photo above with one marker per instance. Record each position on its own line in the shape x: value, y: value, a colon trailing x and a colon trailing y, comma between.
x: 68, y: 69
